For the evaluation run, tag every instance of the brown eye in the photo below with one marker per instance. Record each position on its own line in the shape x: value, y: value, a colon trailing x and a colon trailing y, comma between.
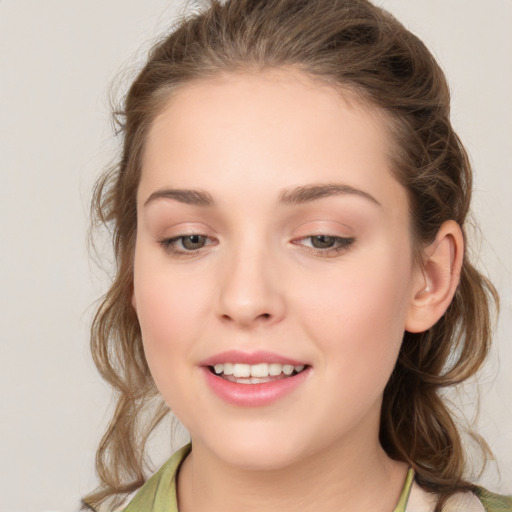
x: 327, y: 246
x: 187, y: 245
x: 193, y: 242
x: 323, y: 241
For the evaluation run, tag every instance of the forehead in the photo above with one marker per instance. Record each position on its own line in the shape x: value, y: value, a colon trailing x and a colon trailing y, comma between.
x: 265, y: 131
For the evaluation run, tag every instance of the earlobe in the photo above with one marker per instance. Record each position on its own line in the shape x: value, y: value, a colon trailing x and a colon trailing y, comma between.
x: 440, y: 274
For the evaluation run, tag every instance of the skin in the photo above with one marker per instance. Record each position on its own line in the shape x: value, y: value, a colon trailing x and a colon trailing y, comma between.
x: 259, y: 284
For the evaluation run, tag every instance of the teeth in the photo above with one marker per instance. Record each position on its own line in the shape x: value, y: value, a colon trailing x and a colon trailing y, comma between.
x: 228, y: 369
x: 288, y: 369
x: 275, y: 369
x: 259, y: 371
x: 241, y: 370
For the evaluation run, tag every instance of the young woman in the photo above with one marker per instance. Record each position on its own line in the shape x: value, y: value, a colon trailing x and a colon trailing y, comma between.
x: 288, y: 215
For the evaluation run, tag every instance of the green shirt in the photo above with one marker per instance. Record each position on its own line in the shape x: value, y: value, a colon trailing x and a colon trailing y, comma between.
x: 158, y: 494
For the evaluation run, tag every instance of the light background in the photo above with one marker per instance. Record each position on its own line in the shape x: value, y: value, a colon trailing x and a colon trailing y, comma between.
x: 57, y: 59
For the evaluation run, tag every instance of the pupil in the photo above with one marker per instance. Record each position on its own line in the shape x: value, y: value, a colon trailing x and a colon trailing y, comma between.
x: 322, y: 241
x: 193, y: 242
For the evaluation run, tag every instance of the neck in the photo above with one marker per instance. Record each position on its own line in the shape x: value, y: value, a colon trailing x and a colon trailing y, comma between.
x: 350, y: 476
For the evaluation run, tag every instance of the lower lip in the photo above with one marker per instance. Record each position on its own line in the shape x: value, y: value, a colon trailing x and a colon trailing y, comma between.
x: 253, y: 395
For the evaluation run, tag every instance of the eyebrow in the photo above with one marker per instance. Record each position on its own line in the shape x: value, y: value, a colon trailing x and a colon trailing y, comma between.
x: 192, y: 197
x: 298, y: 195
x: 313, y: 192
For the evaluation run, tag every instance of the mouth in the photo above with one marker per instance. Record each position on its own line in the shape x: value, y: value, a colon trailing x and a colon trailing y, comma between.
x: 242, y: 373
x: 254, y: 379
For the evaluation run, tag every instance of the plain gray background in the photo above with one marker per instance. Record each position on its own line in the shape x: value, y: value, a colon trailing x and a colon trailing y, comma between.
x: 57, y: 59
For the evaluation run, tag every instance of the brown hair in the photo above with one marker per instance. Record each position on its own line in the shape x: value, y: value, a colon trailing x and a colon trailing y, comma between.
x: 353, y: 45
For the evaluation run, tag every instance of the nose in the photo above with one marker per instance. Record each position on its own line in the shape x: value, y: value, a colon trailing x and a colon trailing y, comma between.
x: 251, y: 293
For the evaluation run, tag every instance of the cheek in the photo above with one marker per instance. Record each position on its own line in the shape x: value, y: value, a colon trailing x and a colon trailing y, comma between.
x: 169, y: 307
x: 357, y: 313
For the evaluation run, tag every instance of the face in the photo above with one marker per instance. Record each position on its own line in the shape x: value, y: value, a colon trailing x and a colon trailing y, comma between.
x: 273, y: 266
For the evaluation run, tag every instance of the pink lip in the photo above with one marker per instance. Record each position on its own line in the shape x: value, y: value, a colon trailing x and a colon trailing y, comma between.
x: 237, y: 356
x: 252, y: 395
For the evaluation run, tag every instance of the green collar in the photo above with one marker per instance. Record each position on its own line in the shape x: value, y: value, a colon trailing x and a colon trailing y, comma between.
x: 404, y: 496
x: 158, y: 494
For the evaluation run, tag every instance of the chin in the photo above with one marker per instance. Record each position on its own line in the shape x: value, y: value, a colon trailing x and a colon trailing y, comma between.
x: 256, y: 451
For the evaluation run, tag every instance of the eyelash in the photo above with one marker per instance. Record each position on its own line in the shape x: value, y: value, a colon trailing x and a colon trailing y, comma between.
x: 342, y: 244
x: 169, y: 245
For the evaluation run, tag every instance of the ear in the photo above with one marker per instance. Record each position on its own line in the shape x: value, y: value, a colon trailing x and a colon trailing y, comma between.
x: 438, y: 278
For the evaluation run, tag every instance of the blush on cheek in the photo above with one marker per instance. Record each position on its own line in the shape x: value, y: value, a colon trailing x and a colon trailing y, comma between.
x: 161, y: 316
x: 168, y: 307
x: 357, y: 318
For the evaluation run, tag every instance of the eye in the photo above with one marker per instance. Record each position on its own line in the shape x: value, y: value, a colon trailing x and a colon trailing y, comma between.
x: 325, y: 245
x: 186, y: 244
x: 323, y: 241
x: 192, y: 242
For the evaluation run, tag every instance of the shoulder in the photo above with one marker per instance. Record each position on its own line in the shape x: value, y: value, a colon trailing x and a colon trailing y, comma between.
x: 158, y: 494
x: 494, y: 502
x: 479, y: 501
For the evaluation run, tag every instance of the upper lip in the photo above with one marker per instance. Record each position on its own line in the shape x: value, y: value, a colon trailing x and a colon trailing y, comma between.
x: 237, y: 356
